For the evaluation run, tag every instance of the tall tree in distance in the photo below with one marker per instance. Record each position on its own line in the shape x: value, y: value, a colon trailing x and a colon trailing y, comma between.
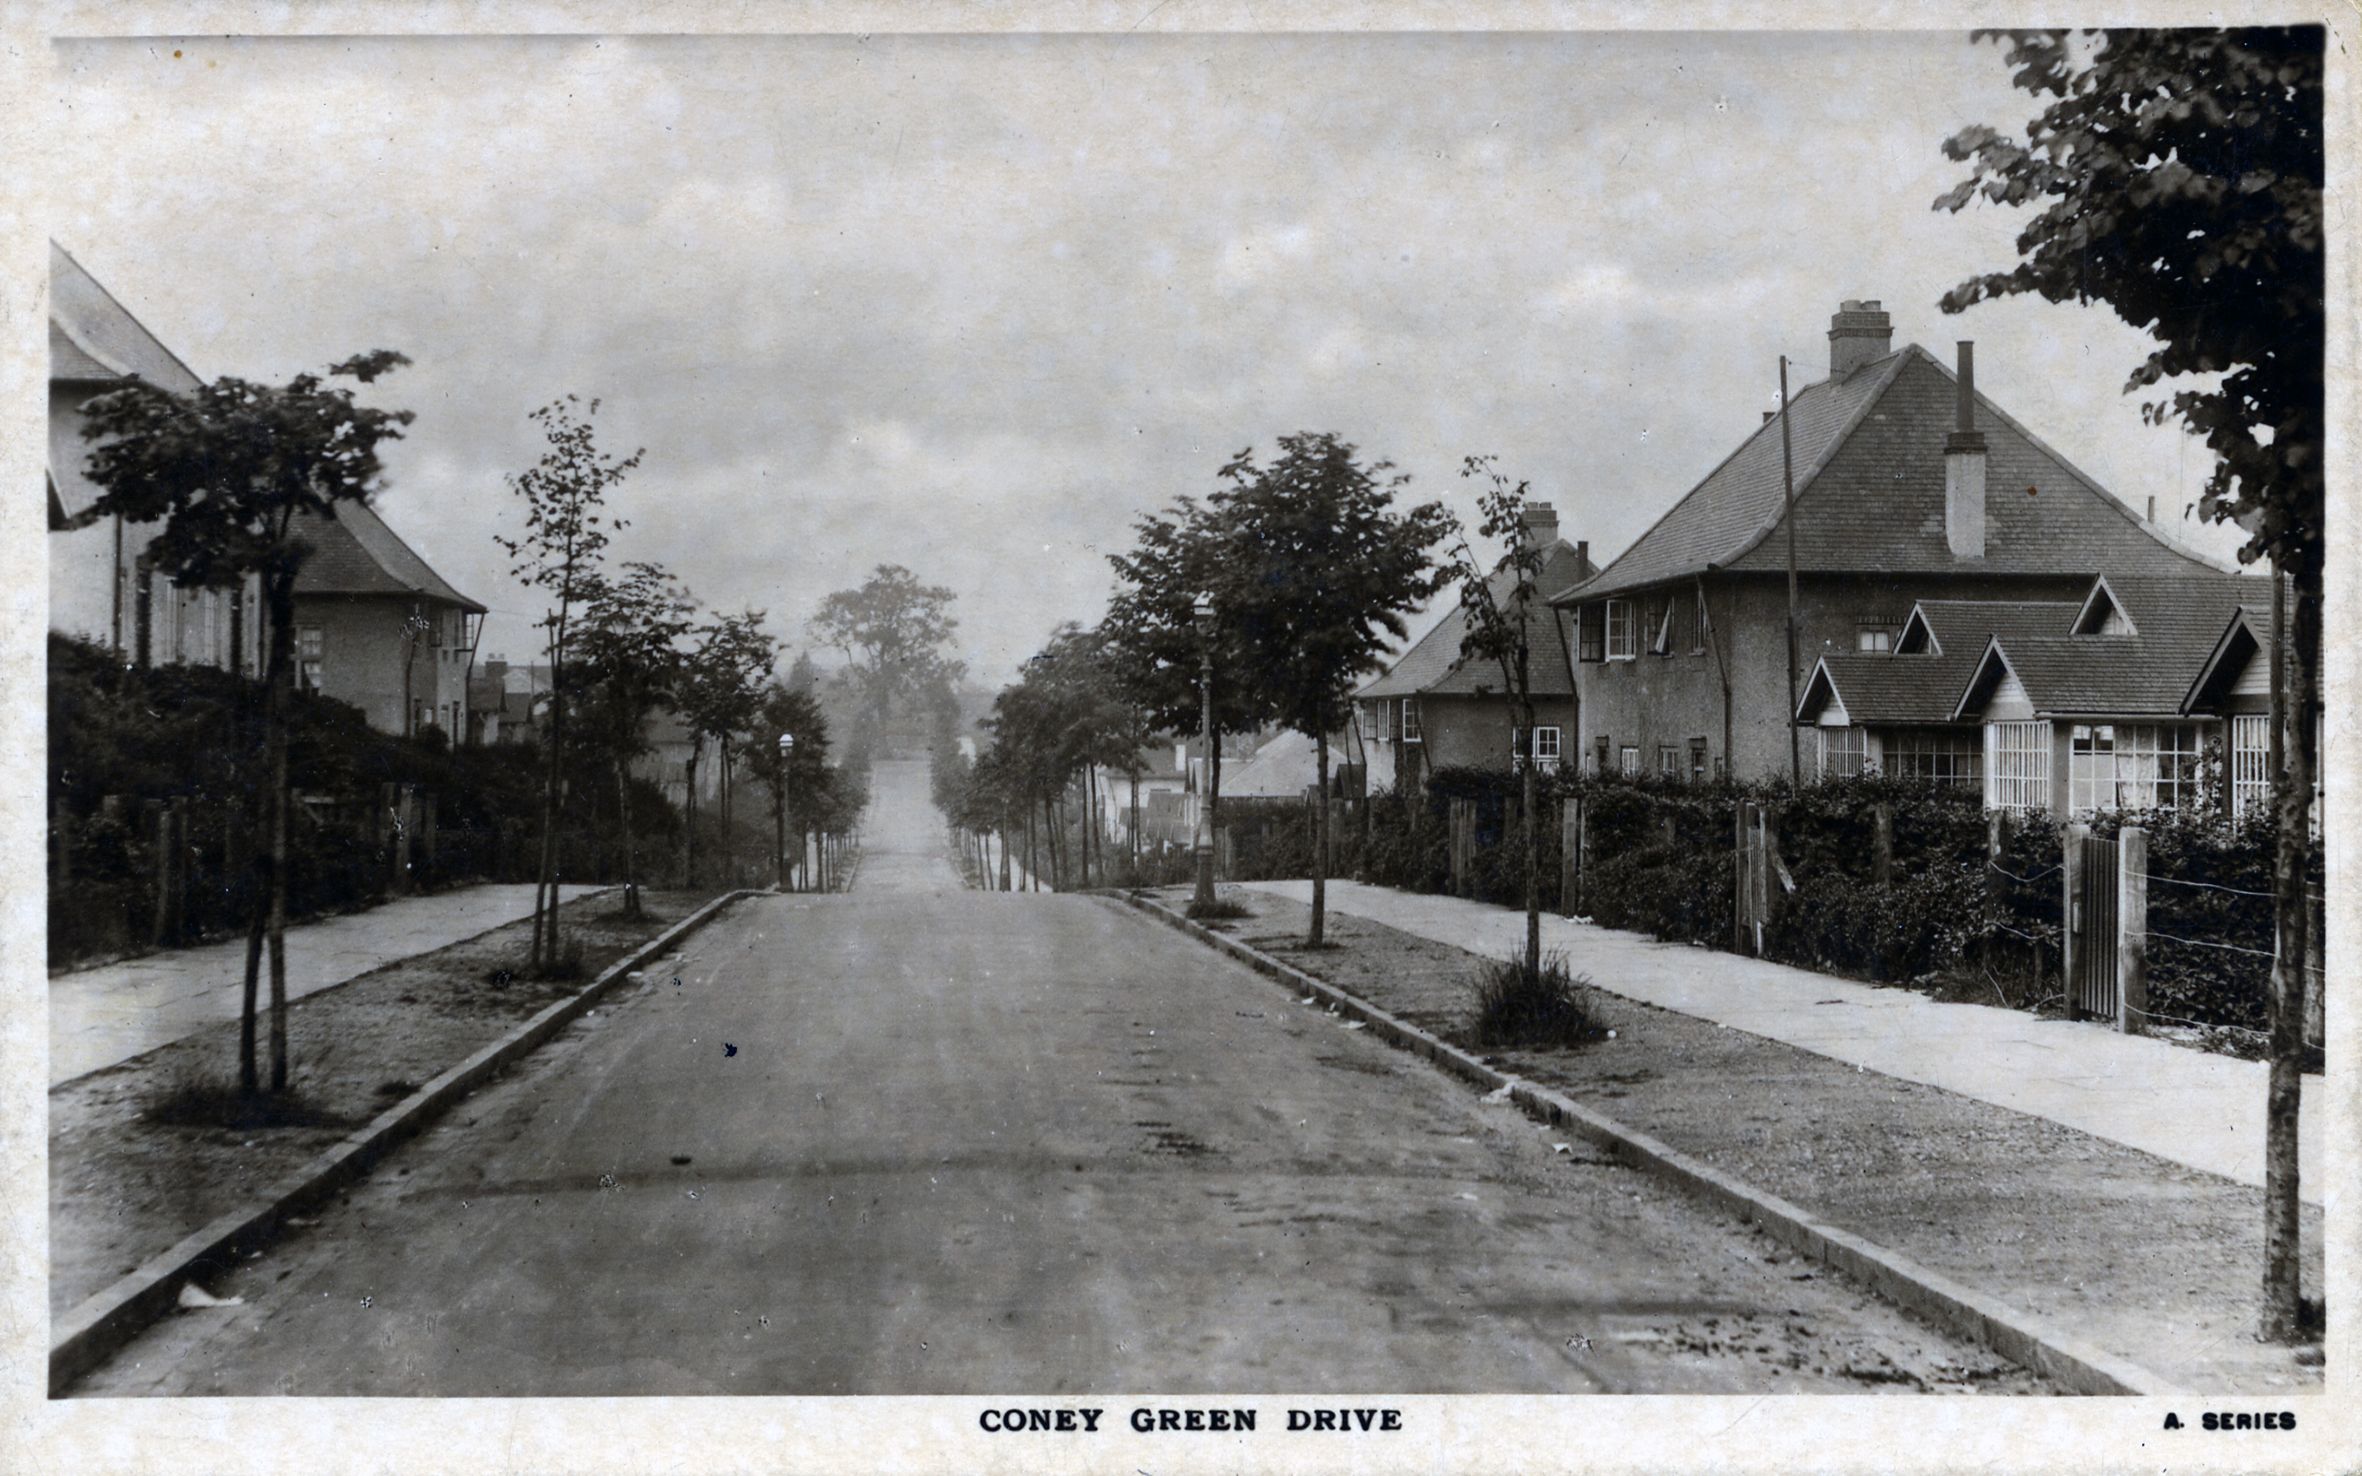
x: 2179, y: 178
x: 893, y: 630
x: 565, y: 534
x: 229, y: 470
x: 1323, y: 574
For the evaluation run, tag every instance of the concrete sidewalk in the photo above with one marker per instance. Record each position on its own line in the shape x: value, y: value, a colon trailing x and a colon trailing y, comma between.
x: 2190, y: 1107
x: 100, y: 1016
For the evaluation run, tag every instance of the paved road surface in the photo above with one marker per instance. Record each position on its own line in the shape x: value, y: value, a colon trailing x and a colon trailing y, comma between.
x: 957, y: 1141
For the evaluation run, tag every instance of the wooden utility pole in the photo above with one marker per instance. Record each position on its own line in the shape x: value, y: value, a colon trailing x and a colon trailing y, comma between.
x: 1788, y: 484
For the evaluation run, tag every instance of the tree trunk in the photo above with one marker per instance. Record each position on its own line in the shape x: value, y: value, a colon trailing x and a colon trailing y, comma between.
x: 689, y: 846
x: 1320, y: 837
x: 275, y: 928
x: 2299, y: 658
x: 623, y: 813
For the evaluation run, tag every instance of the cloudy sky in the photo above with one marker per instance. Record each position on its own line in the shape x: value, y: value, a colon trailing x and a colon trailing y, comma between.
x: 971, y: 304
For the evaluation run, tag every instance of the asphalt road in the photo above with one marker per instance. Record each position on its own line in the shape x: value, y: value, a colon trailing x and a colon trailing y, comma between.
x: 922, y: 1140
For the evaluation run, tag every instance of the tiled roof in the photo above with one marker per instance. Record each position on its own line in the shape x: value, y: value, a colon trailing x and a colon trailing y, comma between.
x: 2180, y: 622
x: 1880, y: 688
x: 91, y: 336
x: 355, y: 553
x: 1869, y: 464
x: 1432, y: 666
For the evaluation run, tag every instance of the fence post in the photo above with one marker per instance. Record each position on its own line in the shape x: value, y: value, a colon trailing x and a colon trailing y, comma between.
x: 1882, y: 844
x: 2071, y: 911
x: 1738, y: 856
x: 1570, y: 855
x: 2132, y: 930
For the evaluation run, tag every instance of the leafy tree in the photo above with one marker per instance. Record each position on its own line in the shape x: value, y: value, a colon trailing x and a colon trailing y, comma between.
x: 892, y: 629
x: 230, y: 470
x: 721, y: 693
x: 1156, y: 653
x: 1499, y: 605
x: 565, y: 535
x: 629, y: 665
x: 1321, y: 575
x: 2180, y: 178
x: 794, y: 776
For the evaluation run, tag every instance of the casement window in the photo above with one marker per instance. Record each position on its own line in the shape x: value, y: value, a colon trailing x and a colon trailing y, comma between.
x: 309, y: 645
x: 1544, y: 750
x: 1410, y: 720
x: 1697, y: 643
x: 1844, y: 752
x: 2251, y: 763
x: 1590, y: 633
x: 1381, y: 716
x: 1628, y: 759
x: 1932, y: 755
x: 2132, y: 766
x: 1669, y: 760
x: 1623, y: 638
x: 1868, y: 637
x: 1660, y: 642
x: 2017, y: 766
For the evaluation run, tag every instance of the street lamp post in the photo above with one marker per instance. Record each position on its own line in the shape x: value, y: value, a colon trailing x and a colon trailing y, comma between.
x: 787, y: 749
x: 1204, y: 611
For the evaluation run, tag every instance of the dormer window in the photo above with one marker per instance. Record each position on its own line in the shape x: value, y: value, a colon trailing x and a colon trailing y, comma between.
x: 1874, y: 635
x: 2102, y: 616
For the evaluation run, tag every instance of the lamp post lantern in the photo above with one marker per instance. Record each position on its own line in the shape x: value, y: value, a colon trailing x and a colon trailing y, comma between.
x: 1203, y: 610
x: 787, y: 748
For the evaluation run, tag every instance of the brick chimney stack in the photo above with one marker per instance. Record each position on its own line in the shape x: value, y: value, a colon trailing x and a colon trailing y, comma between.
x: 1541, y: 525
x: 1964, y: 467
x: 1859, y: 333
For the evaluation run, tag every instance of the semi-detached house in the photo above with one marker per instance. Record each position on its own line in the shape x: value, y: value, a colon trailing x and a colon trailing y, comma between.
x: 1912, y: 492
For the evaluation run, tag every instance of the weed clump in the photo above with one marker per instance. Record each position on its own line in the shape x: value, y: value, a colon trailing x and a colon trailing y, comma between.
x: 1549, y: 1008
x: 1219, y: 908
x: 218, y: 1104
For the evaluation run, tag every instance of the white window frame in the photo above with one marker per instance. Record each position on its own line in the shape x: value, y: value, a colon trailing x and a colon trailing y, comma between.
x: 311, y: 644
x: 1924, y: 753
x: 1628, y: 759
x: 1672, y: 760
x: 1544, y: 750
x: 1382, y: 721
x: 2251, y: 761
x: 1845, y: 752
x: 2017, y: 765
x: 2132, y: 766
x: 1619, y: 618
x: 1411, y: 730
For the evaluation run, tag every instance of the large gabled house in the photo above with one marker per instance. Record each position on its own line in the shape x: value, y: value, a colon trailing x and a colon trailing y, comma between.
x: 1434, y: 709
x: 376, y: 627
x: 101, y: 587
x: 1910, y: 487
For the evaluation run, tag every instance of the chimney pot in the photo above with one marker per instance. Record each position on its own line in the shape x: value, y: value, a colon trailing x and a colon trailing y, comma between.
x: 1541, y: 524
x: 1860, y: 333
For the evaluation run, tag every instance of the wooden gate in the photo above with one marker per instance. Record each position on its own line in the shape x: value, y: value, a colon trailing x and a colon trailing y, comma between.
x: 2092, y: 927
